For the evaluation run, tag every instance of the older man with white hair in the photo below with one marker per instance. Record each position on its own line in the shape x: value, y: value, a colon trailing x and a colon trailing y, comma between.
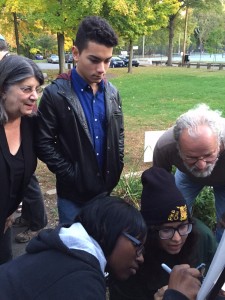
x: 195, y: 146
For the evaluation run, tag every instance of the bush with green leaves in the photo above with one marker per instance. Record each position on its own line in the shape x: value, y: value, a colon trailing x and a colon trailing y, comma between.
x: 204, y: 207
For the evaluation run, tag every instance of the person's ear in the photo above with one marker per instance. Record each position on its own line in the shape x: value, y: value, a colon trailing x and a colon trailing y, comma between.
x: 75, y: 53
x: 3, y: 96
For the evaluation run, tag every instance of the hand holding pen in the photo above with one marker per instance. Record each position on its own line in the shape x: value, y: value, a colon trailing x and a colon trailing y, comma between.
x: 201, y: 269
x: 185, y: 280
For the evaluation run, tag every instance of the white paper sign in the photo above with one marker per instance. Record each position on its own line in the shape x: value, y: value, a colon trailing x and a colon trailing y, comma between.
x: 216, y: 267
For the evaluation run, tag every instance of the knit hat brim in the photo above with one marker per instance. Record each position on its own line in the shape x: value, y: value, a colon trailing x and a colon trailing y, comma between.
x: 161, y: 201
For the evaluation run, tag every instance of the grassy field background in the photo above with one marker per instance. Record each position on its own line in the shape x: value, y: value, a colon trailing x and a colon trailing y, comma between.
x: 153, y: 97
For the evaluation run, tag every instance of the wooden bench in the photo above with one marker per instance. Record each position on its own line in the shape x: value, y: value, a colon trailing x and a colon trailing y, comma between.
x: 198, y: 65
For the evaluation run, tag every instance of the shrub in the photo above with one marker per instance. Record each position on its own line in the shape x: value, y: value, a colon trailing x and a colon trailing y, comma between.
x: 204, y: 207
x: 130, y: 187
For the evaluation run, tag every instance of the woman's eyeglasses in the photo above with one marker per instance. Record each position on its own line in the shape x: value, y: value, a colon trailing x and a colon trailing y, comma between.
x: 138, y: 244
x: 166, y: 233
x: 29, y: 90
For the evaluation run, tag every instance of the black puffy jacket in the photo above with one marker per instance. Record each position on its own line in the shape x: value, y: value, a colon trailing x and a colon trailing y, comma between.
x: 63, y: 142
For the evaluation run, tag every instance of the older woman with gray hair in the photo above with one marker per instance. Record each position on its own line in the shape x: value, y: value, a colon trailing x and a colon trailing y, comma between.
x: 20, y: 84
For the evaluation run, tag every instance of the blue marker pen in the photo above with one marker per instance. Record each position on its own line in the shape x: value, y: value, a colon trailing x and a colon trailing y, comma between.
x: 166, y: 268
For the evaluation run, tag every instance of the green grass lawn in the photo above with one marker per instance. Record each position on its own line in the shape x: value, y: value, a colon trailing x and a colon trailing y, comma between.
x: 153, y: 97
x: 156, y: 96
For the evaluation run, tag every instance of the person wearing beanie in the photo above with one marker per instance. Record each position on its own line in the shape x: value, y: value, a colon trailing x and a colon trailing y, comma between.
x: 161, y: 201
x: 174, y: 238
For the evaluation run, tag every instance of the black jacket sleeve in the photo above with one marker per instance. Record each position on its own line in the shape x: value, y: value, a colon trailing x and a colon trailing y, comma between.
x: 174, y: 295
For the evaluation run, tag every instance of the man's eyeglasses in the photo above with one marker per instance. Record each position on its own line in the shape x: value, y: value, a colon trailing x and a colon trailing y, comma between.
x: 29, y: 89
x: 207, y: 159
x: 138, y: 244
x: 166, y: 233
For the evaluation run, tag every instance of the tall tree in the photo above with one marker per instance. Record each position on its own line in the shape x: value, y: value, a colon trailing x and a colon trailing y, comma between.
x: 17, y: 19
x: 210, y: 30
x: 137, y: 18
x: 186, y: 5
x: 61, y: 17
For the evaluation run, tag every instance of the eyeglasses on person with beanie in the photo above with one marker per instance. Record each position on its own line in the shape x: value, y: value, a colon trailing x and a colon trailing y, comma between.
x: 174, y: 238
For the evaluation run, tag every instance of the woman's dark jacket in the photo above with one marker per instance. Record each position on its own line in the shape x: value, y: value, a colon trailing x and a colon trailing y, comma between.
x: 6, y: 169
x: 65, y: 145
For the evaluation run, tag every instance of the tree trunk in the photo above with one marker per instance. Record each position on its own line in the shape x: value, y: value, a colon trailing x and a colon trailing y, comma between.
x: 61, y: 53
x: 16, y: 31
x: 130, y: 56
x: 171, y: 36
x: 185, y: 36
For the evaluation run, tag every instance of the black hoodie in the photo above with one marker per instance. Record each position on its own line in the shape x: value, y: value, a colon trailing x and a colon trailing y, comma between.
x: 51, y: 271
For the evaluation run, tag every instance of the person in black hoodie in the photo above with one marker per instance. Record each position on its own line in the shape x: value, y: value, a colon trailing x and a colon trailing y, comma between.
x: 70, y: 262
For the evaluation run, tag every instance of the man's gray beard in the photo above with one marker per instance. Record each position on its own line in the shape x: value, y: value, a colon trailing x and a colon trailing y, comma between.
x: 197, y: 173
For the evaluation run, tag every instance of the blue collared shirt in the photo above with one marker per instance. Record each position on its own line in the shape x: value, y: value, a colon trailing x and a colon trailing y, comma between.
x: 94, y: 110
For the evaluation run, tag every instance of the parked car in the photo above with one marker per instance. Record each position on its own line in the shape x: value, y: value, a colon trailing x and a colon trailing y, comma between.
x: 135, y: 62
x: 116, y: 62
x: 39, y: 56
x: 68, y: 57
x: 53, y: 59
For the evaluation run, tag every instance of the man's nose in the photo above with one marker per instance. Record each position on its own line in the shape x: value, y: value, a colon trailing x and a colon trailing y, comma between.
x: 200, y: 164
x: 101, y: 67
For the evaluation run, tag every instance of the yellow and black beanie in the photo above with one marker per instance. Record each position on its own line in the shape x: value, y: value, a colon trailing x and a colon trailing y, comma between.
x: 161, y: 201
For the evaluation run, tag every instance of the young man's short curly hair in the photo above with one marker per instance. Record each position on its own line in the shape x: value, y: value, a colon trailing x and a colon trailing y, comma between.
x: 95, y: 29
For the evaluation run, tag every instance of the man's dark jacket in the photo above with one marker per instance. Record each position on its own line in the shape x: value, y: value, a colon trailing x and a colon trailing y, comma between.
x: 65, y: 145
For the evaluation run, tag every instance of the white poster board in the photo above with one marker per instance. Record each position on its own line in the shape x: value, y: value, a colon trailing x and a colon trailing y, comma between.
x: 151, y: 138
x: 216, y: 267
